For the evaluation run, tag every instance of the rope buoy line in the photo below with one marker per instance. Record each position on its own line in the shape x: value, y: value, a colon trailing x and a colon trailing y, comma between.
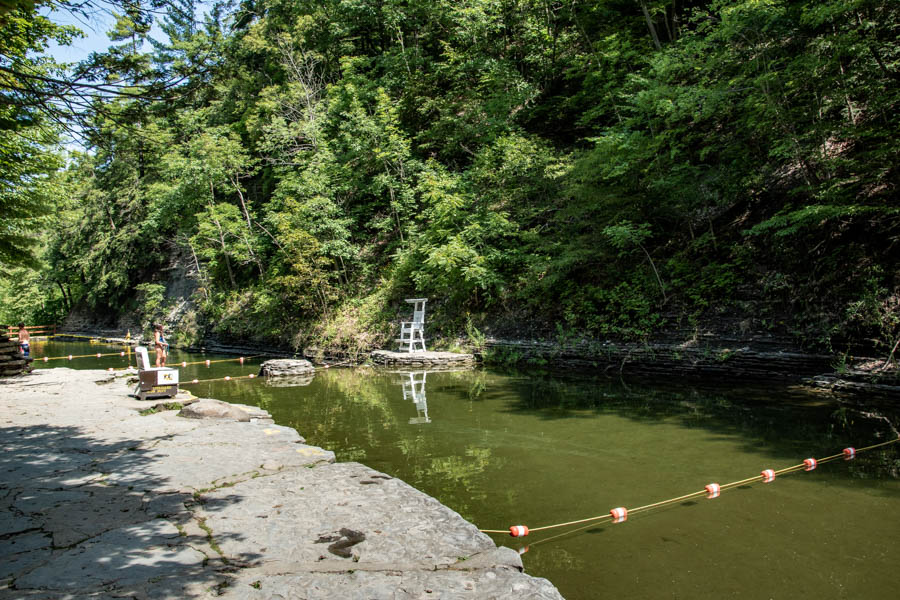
x: 226, y: 378
x: 88, y: 337
x: 620, y: 514
x: 208, y: 362
x: 240, y: 359
x: 71, y: 356
x: 122, y: 353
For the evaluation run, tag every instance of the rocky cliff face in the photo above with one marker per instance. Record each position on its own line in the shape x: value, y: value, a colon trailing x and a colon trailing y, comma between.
x: 181, y: 282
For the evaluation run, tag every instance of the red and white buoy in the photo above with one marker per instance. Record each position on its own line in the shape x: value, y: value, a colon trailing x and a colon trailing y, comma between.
x: 70, y: 357
x: 809, y: 464
x: 768, y: 475
x: 619, y: 514
x: 184, y: 363
x: 242, y: 360
x: 207, y: 362
x: 99, y: 355
x: 849, y: 453
x: 195, y: 381
x: 122, y: 353
x: 228, y: 378
x: 518, y: 531
x: 251, y: 375
x: 46, y: 359
x: 713, y: 490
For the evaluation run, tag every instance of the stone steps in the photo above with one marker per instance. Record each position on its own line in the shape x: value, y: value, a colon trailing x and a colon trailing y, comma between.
x: 11, y: 360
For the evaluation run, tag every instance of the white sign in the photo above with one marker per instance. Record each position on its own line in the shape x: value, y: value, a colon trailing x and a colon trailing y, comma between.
x: 167, y: 377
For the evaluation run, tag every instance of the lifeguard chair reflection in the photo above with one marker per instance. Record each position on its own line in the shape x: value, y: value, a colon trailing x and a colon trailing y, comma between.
x: 413, y: 383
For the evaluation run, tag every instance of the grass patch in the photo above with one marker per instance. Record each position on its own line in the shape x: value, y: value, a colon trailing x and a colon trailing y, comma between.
x: 160, y: 407
x: 211, y: 540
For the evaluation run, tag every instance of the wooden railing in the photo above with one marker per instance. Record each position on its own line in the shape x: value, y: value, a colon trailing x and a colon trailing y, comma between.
x: 32, y: 329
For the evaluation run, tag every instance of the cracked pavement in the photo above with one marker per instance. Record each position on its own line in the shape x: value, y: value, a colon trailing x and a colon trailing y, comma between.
x: 101, y: 502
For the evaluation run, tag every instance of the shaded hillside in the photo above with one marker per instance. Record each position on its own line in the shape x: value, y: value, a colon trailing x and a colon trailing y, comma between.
x: 616, y: 168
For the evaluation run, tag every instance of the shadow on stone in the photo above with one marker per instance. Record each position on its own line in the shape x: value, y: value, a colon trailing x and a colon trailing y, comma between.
x: 69, y: 524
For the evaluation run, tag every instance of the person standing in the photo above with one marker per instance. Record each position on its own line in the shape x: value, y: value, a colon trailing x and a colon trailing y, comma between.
x: 162, y: 346
x: 24, y: 340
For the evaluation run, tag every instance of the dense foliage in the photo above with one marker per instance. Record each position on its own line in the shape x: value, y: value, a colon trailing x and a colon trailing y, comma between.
x: 614, y: 166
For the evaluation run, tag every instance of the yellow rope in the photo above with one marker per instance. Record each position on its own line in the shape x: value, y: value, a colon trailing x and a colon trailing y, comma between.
x: 664, y: 502
x: 88, y: 337
x: 594, y: 520
x: 73, y: 356
x: 111, y: 343
x: 226, y: 378
x: 181, y: 364
x: 722, y: 488
x: 221, y: 360
x: 559, y: 535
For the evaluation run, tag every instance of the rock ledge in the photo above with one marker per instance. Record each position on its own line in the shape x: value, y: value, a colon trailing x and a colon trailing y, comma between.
x: 432, y: 360
x: 286, y: 367
x: 102, y: 502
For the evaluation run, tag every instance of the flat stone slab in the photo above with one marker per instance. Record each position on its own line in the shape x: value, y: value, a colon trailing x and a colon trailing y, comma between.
x: 99, y: 501
x: 494, y: 584
x: 422, y: 359
x: 220, y: 452
x: 368, y: 518
x: 123, y: 557
x: 207, y: 408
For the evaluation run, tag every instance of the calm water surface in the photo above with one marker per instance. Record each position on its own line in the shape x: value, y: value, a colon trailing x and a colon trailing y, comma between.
x: 536, y: 449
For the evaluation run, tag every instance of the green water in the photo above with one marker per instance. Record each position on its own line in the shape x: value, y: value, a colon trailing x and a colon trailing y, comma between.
x: 535, y: 449
x: 85, y: 357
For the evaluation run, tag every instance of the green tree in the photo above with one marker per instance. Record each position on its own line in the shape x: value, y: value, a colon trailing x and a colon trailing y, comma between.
x: 27, y: 157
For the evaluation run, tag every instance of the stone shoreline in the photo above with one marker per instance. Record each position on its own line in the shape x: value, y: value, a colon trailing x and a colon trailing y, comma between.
x: 751, y: 357
x: 102, y: 502
x: 422, y: 360
x: 709, y: 358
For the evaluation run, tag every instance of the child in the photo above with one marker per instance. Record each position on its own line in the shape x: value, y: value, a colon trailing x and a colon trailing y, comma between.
x: 162, y: 346
x: 24, y: 340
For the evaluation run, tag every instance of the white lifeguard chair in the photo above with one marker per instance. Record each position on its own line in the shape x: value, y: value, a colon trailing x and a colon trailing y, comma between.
x: 154, y: 382
x: 412, y: 333
x: 414, y: 389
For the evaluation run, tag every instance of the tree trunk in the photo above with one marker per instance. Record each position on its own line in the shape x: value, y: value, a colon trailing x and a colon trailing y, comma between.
x: 662, y: 288
x: 212, y: 213
x: 237, y: 187
x: 66, y: 304
x: 254, y: 257
x: 675, y: 20
x: 876, y: 54
x: 199, y: 271
x: 650, y: 26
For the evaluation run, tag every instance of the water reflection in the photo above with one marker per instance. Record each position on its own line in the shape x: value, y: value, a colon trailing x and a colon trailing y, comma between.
x: 413, y: 383
x: 504, y: 448
x: 289, y: 381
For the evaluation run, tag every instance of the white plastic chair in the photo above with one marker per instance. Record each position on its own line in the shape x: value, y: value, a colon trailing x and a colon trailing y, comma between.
x: 143, y: 359
x: 150, y: 377
x: 412, y: 333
